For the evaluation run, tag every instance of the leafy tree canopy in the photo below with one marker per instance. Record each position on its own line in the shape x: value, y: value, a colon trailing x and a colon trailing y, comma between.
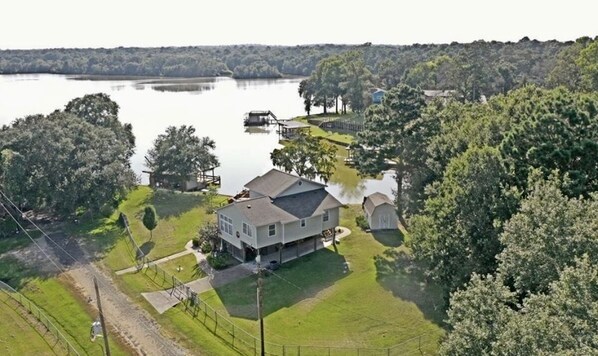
x: 99, y: 110
x: 179, y: 153
x: 307, y: 156
x: 150, y: 219
x: 61, y: 163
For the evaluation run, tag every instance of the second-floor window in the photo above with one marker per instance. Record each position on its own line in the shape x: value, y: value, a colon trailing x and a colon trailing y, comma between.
x: 271, y: 230
x: 226, y: 224
x: 247, y: 230
x: 325, y: 217
x: 302, y: 223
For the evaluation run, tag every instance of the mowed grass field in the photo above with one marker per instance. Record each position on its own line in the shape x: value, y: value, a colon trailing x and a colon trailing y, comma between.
x: 56, y: 296
x: 17, y: 334
x: 381, y: 299
x: 180, y: 216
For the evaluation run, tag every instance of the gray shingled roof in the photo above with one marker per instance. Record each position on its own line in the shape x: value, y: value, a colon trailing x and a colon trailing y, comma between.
x: 273, y: 183
x: 261, y: 211
x: 305, y: 205
x: 374, y: 200
x: 264, y: 211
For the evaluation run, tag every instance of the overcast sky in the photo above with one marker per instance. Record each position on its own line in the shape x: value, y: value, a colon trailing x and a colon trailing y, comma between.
x: 113, y: 23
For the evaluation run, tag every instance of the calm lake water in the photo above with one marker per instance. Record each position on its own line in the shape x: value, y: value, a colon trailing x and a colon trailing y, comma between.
x: 214, y: 106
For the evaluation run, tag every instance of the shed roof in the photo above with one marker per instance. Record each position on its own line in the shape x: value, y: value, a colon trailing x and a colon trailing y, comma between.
x: 274, y: 183
x: 374, y: 200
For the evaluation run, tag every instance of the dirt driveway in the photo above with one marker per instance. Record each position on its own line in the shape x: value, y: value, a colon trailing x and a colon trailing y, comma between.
x: 133, y: 324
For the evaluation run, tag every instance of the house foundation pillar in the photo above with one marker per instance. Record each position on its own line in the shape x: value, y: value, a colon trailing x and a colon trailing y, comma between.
x: 280, y: 253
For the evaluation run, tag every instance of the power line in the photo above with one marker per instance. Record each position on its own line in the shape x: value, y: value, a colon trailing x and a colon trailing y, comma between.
x: 31, y: 238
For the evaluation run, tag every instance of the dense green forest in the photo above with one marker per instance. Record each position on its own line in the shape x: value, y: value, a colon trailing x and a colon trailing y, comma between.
x: 502, y: 64
x: 500, y: 202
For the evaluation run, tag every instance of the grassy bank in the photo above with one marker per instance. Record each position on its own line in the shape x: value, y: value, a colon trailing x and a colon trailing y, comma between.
x: 179, y: 217
x: 57, y: 298
x: 343, y: 138
x: 18, y: 334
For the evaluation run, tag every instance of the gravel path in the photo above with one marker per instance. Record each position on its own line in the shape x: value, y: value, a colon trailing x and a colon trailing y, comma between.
x: 133, y: 324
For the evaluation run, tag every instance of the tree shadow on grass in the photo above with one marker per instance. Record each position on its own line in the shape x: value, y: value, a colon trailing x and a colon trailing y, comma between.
x: 173, y: 204
x: 389, y: 238
x: 198, y: 271
x: 17, y: 273
x: 399, y: 273
x: 147, y: 247
x: 295, y: 281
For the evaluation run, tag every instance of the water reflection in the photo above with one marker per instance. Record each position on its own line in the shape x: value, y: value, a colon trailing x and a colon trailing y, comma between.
x: 244, y: 152
x: 252, y: 83
x: 193, y: 88
x: 259, y: 129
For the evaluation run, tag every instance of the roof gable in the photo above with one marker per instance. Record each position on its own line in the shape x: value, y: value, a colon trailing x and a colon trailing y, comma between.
x: 374, y: 200
x: 275, y: 182
x: 264, y: 211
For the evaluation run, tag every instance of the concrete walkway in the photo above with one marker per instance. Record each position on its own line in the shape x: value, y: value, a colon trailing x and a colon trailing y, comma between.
x: 164, y: 300
x: 188, y: 249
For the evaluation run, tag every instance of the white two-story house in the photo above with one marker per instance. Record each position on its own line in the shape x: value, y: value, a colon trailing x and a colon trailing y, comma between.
x: 281, y: 211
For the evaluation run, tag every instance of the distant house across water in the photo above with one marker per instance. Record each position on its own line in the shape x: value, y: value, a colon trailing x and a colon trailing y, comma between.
x: 430, y: 95
x: 377, y: 96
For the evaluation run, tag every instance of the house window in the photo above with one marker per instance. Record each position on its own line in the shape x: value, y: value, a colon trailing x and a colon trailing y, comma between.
x: 325, y: 217
x: 271, y: 230
x: 302, y: 223
x: 247, y: 230
x: 226, y: 224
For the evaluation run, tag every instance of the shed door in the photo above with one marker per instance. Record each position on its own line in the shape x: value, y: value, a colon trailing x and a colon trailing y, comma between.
x: 384, y: 221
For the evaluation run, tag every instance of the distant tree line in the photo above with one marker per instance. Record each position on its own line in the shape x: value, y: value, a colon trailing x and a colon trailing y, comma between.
x: 483, y: 67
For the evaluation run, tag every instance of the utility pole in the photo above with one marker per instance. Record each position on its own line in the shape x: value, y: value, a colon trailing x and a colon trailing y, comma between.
x: 104, y: 331
x: 260, y: 304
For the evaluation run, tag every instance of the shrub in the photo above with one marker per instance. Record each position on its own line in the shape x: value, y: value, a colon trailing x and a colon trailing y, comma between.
x: 206, y: 247
x: 362, y: 222
x: 218, y: 261
x: 195, y: 242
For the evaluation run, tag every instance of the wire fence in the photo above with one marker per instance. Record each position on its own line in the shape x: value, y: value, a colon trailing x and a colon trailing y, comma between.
x: 61, y: 342
x: 242, y: 340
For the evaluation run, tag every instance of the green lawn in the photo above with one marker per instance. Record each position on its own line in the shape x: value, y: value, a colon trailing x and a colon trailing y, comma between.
x: 189, y: 269
x: 56, y: 297
x: 332, y: 135
x: 147, y: 280
x: 382, y: 301
x: 179, y: 217
x: 17, y: 335
x: 178, y: 324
